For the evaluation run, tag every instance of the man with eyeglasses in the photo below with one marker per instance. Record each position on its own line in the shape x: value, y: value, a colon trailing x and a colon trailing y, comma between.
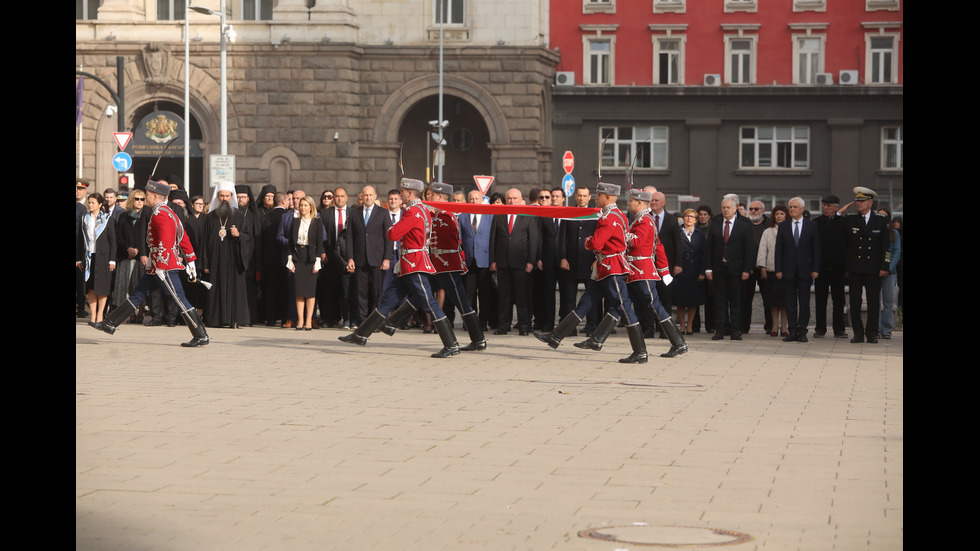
x: 757, y: 217
x: 546, y: 273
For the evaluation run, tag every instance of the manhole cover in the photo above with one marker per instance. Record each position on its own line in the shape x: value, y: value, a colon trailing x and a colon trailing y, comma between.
x: 666, y: 536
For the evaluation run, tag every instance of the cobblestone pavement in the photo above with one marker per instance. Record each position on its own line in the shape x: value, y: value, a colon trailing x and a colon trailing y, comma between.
x: 274, y: 439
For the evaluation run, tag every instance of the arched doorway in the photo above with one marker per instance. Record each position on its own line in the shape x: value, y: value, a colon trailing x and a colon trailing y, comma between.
x: 171, y: 165
x: 467, y: 137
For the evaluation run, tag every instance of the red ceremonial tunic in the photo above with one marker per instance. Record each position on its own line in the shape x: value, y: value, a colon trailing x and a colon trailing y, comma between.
x: 445, y: 248
x: 609, y: 243
x: 167, y: 242
x: 413, y: 231
x: 643, y: 241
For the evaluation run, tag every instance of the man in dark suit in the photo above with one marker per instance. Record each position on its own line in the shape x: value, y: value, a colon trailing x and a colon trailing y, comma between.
x: 546, y: 273
x: 575, y: 261
x: 369, y: 251
x: 759, y: 222
x: 731, y: 257
x: 797, y: 265
x: 868, y: 258
x: 333, y: 284
x: 513, y: 254
x: 669, y: 234
x: 830, y: 284
x: 475, y: 235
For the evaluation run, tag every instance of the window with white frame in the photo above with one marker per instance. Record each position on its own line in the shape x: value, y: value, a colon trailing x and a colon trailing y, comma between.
x: 740, y: 52
x: 778, y: 147
x: 669, y: 6
x: 741, y: 5
x: 449, y: 12
x: 87, y: 9
x: 257, y: 10
x: 171, y: 10
x: 636, y: 146
x: 599, y: 56
x: 668, y: 60
x: 875, y: 5
x: 892, y: 157
x: 809, y: 5
x: 598, y: 6
x: 882, y: 59
x: 808, y: 59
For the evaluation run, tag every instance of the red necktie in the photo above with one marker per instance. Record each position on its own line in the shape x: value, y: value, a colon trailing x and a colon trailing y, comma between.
x: 510, y: 225
x: 725, y: 238
x: 340, y: 221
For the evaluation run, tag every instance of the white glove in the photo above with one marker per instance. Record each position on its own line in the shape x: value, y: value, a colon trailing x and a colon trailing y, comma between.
x: 289, y: 263
x: 191, y: 270
x: 667, y: 279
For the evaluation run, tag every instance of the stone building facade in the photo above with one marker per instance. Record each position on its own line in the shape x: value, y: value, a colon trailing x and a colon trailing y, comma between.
x: 337, y: 93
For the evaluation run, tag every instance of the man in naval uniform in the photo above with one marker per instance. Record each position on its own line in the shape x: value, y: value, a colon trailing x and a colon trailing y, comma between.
x: 868, y: 257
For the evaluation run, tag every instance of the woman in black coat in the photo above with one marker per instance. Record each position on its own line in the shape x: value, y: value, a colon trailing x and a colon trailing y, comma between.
x: 689, y: 283
x: 305, y: 250
x: 95, y: 255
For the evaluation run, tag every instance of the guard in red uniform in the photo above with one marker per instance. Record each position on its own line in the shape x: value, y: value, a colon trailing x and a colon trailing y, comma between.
x: 648, y: 262
x: 446, y: 253
x: 169, y: 247
x: 411, y: 290
x: 608, y: 279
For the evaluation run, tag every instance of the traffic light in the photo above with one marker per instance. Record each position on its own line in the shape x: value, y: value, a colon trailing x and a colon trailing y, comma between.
x: 125, y: 181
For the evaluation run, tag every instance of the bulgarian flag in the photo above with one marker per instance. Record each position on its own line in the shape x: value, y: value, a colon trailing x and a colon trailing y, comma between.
x: 567, y: 213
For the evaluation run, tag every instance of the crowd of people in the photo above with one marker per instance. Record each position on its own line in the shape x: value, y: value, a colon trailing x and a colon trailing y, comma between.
x: 283, y: 259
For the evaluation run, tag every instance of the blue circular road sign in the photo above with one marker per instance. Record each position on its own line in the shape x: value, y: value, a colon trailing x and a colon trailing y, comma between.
x: 122, y: 161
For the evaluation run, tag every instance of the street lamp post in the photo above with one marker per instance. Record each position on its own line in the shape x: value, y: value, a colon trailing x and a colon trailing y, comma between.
x: 227, y: 33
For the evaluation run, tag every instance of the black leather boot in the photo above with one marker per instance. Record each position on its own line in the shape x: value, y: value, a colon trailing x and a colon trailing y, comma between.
x: 450, y: 347
x: 364, y: 330
x: 116, y: 318
x: 639, y: 355
x: 562, y: 330
x: 395, y: 319
x: 600, y: 334
x: 472, y: 324
x: 193, y: 321
x: 677, y: 344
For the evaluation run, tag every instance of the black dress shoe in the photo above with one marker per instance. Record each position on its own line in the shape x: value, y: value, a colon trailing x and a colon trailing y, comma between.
x: 501, y: 331
x: 819, y: 334
x: 872, y: 340
x: 717, y: 336
x: 153, y: 323
x: 790, y: 338
x: 524, y: 332
x: 841, y: 335
x: 802, y: 338
x: 857, y: 340
x: 736, y: 336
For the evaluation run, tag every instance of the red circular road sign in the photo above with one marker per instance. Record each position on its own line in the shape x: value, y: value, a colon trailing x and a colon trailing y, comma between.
x: 568, y: 162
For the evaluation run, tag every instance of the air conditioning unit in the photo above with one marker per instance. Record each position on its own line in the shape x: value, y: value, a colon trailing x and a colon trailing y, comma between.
x: 565, y: 78
x: 849, y: 78
x: 712, y: 80
x: 825, y: 78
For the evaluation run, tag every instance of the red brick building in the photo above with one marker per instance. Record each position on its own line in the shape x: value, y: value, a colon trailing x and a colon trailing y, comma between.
x: 765, y: 98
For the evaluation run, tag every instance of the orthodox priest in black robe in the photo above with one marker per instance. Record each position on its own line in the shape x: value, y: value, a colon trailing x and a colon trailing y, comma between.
x: 226, y: 250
